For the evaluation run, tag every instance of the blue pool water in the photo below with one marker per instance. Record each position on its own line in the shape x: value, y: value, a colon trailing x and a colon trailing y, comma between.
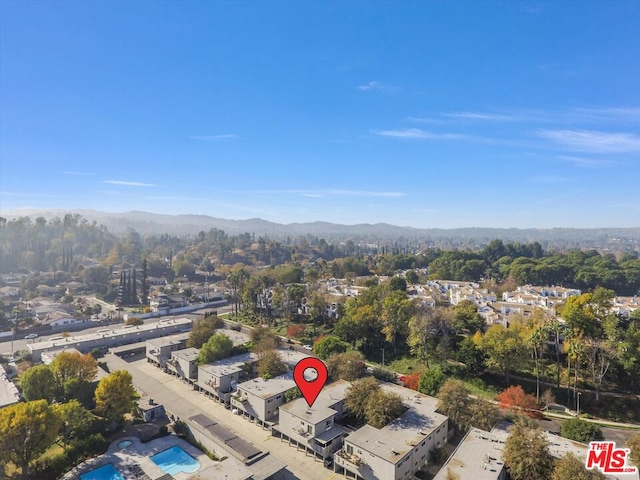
x: 106, y: 472
x: 175, y: 460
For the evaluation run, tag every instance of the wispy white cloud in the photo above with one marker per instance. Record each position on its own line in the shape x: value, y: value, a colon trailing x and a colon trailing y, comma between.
x: 325, y: 193
x: 83, y: 174
x: 481, y: 116
x: 549, y: 179
x: 605, y: 114
x: 586, y: 162
x: 433, y: 121
x: 129, y: 184
x: 417, y: 133
x: 593, y: 141
x: 213, y: 138
x: 377, y: 86
x: 29, y: 195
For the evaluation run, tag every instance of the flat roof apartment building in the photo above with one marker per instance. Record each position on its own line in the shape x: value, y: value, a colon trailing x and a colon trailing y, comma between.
x: 399, y: 449
x: 314, y: 428
x: 220, y: 379
x: 260, y: 398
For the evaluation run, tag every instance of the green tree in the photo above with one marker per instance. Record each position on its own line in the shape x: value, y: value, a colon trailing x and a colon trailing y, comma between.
x: 292, y: 394
x: 26, y: 431
x: 412, y: 277
x: 634, y: 445
x: 467, y: 318
x: 526, y: 454
x: 472, y: 357
x: 264, y: 339
x: 328, y: 345
x: 428, y: 328
x: 68, y: 365
x: 203, y: 329
x: 571, y: 467
x: 397, y: 309
x: 358, y: 394
x: 270, y: 364
x: 77, y: 421
x: 453, y: 401
x: 398, y: 284
x: 218, y: 346
x: 115, y: 396
x: 580, y: 430
x: 383, y: 407
x: 482, y: 414
x: 431, y: 380
x: 38, y: 382
x: 505, y: 348
x: 346, y: 366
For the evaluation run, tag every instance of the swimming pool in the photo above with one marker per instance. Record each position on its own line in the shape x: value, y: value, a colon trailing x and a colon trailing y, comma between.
x: 106, y: 472
x: 125, y: 443
x: 175, y: 460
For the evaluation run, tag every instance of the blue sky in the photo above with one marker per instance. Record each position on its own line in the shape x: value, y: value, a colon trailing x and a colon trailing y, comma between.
x: 427, y: 114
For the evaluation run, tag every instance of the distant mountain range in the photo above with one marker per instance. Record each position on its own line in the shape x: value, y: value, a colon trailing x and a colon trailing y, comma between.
x: 147, y: 223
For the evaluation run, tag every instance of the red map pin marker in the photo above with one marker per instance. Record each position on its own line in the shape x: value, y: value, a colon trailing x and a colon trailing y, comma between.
x: 310, y: 386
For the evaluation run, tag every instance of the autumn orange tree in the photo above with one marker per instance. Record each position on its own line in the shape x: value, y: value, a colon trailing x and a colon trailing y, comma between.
x: 515, y: 398
x: 411, y: 381
x: 296, y: 331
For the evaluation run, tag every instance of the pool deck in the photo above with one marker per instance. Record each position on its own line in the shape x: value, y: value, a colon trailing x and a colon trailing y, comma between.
x: 134, y: 461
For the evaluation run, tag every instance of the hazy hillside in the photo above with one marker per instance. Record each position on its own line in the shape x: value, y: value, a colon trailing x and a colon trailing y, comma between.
x: 151, y: 223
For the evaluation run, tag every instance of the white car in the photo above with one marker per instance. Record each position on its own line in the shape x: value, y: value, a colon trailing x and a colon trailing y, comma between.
x: 31, y: 335
x: 307, y: 347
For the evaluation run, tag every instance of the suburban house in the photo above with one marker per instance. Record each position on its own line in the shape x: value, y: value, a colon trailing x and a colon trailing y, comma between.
x: 399, y: 449
x: 260, y: 398
x: 183, y: 363
x: 220, y: 379
x: 60, y: 319
x: 314, y: 428
x: 161, y: 301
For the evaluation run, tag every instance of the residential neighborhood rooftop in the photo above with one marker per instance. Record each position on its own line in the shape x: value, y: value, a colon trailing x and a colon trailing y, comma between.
x: 393, y: 441
x: 8, y: 392
x: 477, y: 457
x: 229, y: 366
x: 321, y: 409
x: 188, y: 354
x: 268, y: 388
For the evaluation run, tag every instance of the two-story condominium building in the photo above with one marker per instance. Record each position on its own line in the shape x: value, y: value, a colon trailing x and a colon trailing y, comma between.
x: 183, y: 364
x: 314, y: 428
x: 159, y: 350
x: 399, y: 449
x: 259, y: 398
x: 477, y: 457
x: 220, y: 379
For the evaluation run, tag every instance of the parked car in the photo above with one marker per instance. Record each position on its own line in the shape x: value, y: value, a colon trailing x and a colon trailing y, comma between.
x: 307, y: 347
x: 31, y: 335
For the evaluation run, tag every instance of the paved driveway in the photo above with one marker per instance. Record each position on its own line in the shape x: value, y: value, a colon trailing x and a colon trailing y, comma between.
x: 180, y: 399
